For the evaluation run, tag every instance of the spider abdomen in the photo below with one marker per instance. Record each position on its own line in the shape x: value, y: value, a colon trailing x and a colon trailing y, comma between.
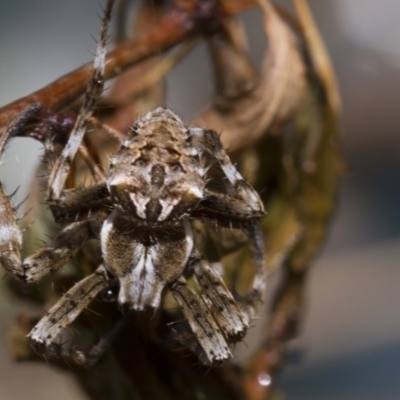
x: 144, y: 260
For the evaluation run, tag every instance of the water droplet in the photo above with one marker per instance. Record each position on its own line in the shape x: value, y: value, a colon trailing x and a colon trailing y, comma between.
x: 264, y: 379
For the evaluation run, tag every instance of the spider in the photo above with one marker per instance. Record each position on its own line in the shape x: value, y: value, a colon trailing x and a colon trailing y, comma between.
x: 164, y: 177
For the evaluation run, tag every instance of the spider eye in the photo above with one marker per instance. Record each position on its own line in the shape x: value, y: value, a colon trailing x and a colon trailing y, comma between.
x: 110, y: 294
x: 164, y: 196
x: 176, y: 167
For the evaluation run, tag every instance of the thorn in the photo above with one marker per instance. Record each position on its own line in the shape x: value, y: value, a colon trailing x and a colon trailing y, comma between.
x: 10, y: 196
x: 18, y: 205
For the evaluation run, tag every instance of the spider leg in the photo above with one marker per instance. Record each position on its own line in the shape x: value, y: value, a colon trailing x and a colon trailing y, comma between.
x: 10, y: 238
x: 231, y: 319
x: 235, y: 198
x: 233, y: 313
x: 72, y: 203
x: 76, y: 203
x: 82, y: 202
x: 64, y: 312
x: 230, y: 201
x: 213, y: 346
x: 59, y: 250
x: 62, y: 166
x: 251, y: 302
x: 227, y: 209
x: 10, y: 234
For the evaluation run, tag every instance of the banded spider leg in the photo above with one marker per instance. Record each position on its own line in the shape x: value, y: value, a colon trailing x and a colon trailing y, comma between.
x: 86, y: 203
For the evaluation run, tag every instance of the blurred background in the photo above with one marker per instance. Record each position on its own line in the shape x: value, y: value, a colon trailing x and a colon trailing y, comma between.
x: 350, y: 344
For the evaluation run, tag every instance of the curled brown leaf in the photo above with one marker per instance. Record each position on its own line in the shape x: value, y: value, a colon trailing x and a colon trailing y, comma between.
x: 244, y: 117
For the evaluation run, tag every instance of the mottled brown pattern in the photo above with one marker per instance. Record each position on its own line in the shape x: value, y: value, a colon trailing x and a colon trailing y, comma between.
x: 163, y: 177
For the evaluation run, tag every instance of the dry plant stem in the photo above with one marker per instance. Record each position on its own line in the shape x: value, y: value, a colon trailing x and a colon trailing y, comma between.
x: 234, y: 74
x: 97, y: 173
x: 162, y: 68
x: 314, y: 205
x: 319, y: 55
x: 68, y: 88
x: 317, y: 200
x: 178, y: 25
x: 125, y: 104
x: 155, y: 73
x: 114, y: 133
x: 282, y: 326
x: 120, y: 15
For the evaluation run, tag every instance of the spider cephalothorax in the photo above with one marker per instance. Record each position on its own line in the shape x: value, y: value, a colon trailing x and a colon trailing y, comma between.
x: 158, y: 174
x: 163, y: 177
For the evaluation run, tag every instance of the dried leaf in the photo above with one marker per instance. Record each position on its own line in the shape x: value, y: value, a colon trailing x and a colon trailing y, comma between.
x: 243, y: 118
x: 307, y: 185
